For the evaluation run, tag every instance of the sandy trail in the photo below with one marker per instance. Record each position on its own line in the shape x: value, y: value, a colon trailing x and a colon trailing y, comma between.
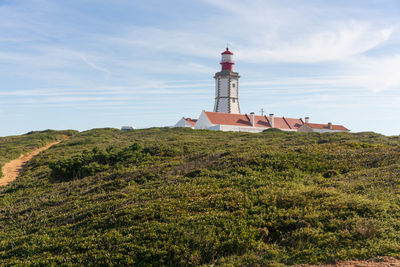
x: 12, y: 169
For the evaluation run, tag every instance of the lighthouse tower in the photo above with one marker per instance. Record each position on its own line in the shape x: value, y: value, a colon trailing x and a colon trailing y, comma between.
x: 226, y: 86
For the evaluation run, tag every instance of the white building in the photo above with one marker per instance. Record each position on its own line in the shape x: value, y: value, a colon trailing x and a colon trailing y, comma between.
x: 245, y: 122
x: 127, y: 128
x: 227, y: 117
x: 255, y: 123
x: 186, y: 122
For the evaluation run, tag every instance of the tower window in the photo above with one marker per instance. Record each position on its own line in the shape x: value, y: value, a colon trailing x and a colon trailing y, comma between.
x: 233, y: 100
x: 233, y: 85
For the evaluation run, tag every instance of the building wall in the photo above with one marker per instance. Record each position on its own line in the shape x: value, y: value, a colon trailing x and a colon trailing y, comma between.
x: 183, y: 123
x: 321, y: 131
x: 222, y: 95
x: 226, y: 93
x: 232, y: 128
x: 241, y: 129
x: 203, y: 122
x: 234, y: 103
x: 223, y: 105
x: 326, y: 131
x: 234, y: 84
x: 308, y: 129
x: 223, y: 87
x: 305, y: 129
x: 234, y: 96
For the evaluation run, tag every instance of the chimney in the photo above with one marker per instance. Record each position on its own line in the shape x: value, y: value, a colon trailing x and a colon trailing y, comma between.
x: 271, y: 119
x: 330, y: 126
x: 307, y: 119
x: 252, y: 119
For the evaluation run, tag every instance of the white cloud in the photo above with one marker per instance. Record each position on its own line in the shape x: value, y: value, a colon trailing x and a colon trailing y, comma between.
x: 345, y: 40
x: 376, y: 74
x: 271, y: 32
x: 260, y: 32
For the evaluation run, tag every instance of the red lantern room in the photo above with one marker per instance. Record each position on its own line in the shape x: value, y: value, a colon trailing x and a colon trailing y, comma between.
x: 227, y: 61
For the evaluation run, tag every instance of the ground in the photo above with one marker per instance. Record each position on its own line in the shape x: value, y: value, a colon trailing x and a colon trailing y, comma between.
x: 12, y: 169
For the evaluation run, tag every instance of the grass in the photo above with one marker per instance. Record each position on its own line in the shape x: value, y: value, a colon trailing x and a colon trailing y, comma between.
x: 181, y: 197
x: 11, y: 147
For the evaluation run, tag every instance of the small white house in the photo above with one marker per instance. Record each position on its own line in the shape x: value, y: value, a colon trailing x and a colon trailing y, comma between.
x: 322, y: 128
x: 127, y: 128
x: 186, y: 122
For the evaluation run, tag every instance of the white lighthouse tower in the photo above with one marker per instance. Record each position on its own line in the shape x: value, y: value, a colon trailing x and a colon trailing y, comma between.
x: 226, y: 86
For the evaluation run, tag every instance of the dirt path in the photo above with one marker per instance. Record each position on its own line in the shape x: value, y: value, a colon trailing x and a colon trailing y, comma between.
x: 12, y: 169
x: 378, y: 262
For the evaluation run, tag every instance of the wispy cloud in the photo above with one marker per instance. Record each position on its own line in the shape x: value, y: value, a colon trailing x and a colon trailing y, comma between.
x: 95, y: 66
x: 375, y: 73
x: 341, y: 42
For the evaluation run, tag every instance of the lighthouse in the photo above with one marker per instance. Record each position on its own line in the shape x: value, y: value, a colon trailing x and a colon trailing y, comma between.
x: 226, y: 86
x: 227, y: 117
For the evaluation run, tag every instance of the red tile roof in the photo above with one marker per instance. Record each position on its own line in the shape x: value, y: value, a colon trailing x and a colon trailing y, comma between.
x: 191, y: 121
x: 326, y: 127
x: 260, y: 121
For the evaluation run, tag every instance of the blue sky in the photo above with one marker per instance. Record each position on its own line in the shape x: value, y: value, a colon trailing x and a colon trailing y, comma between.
x: 87, y: 64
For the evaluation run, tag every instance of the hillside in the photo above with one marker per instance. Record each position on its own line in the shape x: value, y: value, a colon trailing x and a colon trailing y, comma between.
x: 13, y: 146
x: 183, y: 197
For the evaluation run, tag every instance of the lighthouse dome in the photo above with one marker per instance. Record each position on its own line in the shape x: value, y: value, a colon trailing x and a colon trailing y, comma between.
x: 227, y: 52
x: 227, y: 60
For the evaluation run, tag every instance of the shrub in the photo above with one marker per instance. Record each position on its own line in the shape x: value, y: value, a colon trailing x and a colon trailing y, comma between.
x: 331, y: 173
x: 178, y: 197
x: 91, y: 162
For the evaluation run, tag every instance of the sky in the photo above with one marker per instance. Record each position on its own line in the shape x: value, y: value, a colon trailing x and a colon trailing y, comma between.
x: 83, y: 64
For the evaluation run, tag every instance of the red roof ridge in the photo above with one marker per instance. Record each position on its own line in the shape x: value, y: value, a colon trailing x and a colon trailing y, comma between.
x: 286, y: 122
x: 265, y: 116
x: 190, y: 121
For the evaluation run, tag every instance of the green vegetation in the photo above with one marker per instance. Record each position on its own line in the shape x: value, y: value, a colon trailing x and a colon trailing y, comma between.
x: 182, y: 197
x: 11, y: 147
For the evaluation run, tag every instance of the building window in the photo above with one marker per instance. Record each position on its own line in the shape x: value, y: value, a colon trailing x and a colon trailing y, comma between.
x: 233, y: 85
x: 233, y: 100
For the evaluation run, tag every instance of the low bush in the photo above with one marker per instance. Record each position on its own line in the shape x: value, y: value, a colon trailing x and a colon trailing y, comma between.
x: 178, y: 197
x: 89, y: 163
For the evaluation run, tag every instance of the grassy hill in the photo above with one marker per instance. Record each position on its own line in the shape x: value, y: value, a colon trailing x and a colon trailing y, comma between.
x: 183, y: 197
x: 13, y: 146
